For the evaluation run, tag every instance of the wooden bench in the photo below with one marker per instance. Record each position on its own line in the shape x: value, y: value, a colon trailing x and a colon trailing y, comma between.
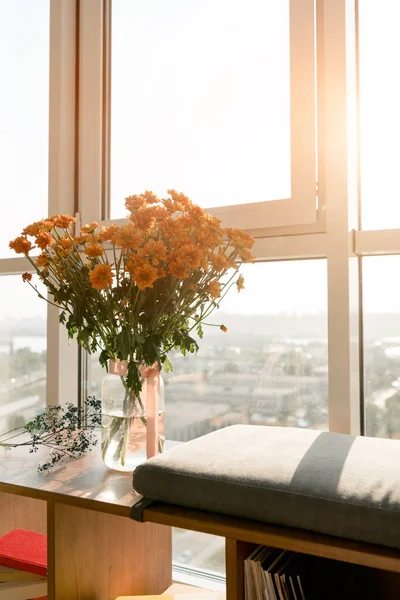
x: 352, y: 483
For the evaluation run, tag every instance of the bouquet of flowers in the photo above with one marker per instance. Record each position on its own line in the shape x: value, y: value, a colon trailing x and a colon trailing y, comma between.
x: 136, y: 291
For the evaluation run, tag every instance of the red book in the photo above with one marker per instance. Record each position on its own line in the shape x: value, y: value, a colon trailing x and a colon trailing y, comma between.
x: 24, y: 550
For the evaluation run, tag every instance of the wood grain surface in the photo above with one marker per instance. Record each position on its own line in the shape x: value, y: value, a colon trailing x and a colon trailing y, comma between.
x: 98, y: 556
x: 298, y: 540
x: 22, y: 513
x: 85, y: 482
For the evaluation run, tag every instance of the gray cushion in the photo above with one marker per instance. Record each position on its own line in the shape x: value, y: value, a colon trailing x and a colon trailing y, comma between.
x: 325, y: 482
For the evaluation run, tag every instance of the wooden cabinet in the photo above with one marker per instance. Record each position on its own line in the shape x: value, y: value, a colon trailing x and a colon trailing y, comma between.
x: 94, y: 549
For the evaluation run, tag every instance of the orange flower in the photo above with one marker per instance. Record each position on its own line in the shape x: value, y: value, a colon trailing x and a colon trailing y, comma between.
x: 169, y: 205
x: 223, y: 328
x: 48, y: 224
x: 64, y: 246
x: 214, y: 289
x: 239, y: 238
x: 43, y: 240
x: 132, y: 203
x: 240, y: 283
x: 127, y: 236
x: 64, y: 221
x: 168, y: 228
x: 185, y: 222
x: 150, y: 197
x: 144, y: 219
x: 208, y: 237
x: 159, y: 213
x: 20, y: 245
x: 101, y: 277
x: 181, y: 202
x: 107, y: 233
x: 155, y: 250
x: 90, y: 227
x: 192, y: 255
x: 211, y: 221
x: 33, y: 229
x: 178, y: 269
x: 219, y: 261
x: 196, y: 212
x: 42, y: 260
x: 145, y: 276
x: 246, y: 255
x: 93, y: 250
x: 27, y: 277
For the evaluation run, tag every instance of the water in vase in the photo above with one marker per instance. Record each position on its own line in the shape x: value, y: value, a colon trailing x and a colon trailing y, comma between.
x: 123, y: 439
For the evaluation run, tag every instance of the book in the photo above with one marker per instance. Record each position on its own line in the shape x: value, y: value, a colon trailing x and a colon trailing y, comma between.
x: 23, y: 590
x: 25, y: 551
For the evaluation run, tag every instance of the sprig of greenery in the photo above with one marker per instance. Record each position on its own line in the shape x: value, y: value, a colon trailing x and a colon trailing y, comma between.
x: 67, y: 431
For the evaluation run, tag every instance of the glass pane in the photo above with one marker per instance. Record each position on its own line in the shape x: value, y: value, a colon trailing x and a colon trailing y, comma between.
x: 24, y: 115
x: 22, y: 352
x: 379, y: 112
x: 200, y: 100
x: 382, y: 345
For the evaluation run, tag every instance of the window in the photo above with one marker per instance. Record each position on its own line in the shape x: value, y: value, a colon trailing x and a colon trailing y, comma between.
x: 217, y: 99
x: 379, y: 114
x: 24, y: 115
x: 382, y: 346
x: 203, y: 100
x: 22, y: 353
x: 270, y: 368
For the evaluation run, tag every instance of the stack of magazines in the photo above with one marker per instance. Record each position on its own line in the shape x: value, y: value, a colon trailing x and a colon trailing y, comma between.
x: 274, y: 574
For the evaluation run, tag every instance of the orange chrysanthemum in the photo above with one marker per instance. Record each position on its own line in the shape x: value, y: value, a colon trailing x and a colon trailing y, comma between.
x: 33, y: 229
x: 246, y: 255
x: 155, y: 250
x: 43, y: 240
x: 181, y: 202
x: 145, y: 276
x: 90, y: 227
x: 214, y: 289
x: 192, y: 255
x: 42, y: 260
x: 135, y: 202
x: 20, y: 245
x: 144, y: 219
x: 179, y: 269
x: 64, y: 221
x: 219, y: 261
x: 240, y: 283
x: 101, y: 277
x: 107, y: 233
x: 150, y: 197
x: 27, y: 277
x: 239, y: 238
x: 93, y: 250
x: 127, y: 236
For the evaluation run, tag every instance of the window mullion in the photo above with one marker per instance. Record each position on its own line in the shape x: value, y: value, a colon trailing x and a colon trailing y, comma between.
x: 62, y: 364
x: 340, y: 175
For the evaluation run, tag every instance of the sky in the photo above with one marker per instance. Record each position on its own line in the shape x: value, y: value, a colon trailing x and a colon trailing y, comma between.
x: 200, y: 103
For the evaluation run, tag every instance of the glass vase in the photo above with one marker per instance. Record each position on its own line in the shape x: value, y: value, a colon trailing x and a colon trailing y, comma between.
x: 132, y: 426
